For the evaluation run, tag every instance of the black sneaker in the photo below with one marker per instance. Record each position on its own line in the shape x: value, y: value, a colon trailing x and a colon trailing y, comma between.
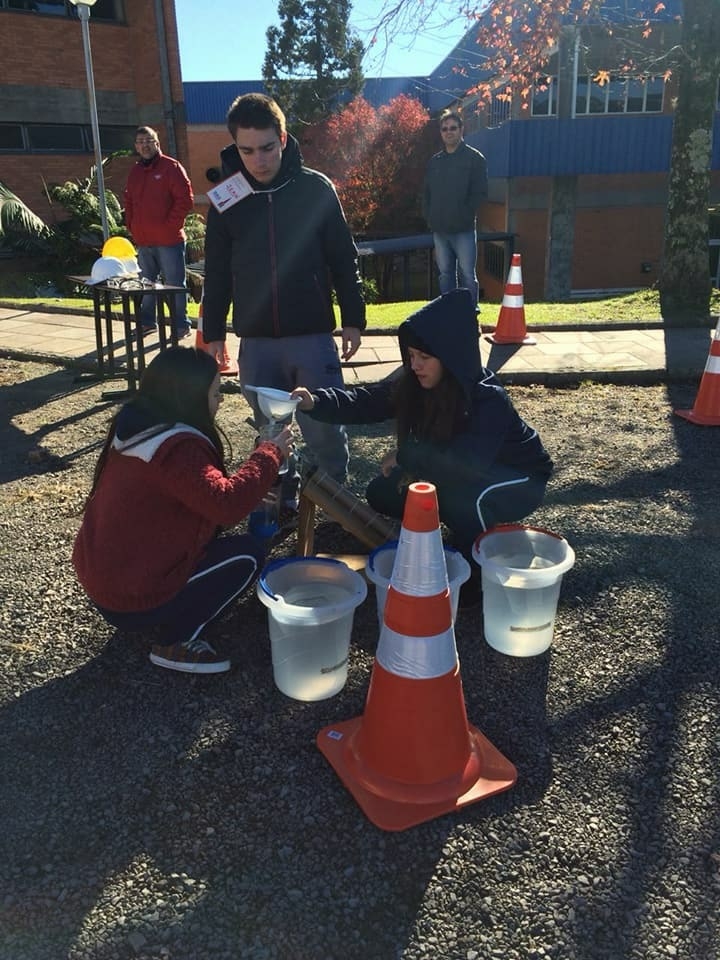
x: 194, y: 656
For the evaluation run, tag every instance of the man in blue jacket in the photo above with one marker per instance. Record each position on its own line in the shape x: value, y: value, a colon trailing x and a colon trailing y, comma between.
x: 277, y: 255
x: 455, y: 186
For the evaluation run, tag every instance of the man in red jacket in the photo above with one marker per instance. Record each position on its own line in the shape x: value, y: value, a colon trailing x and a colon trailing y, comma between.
x: 158, y: 197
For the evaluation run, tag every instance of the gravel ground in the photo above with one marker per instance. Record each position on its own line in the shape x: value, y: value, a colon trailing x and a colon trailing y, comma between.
x: 152, y: 815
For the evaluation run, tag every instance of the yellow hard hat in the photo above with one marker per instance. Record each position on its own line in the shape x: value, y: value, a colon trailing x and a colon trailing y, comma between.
x: 119, y: 247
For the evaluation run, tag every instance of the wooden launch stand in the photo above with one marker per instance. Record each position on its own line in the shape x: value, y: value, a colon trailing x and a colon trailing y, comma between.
x: 320, y: 491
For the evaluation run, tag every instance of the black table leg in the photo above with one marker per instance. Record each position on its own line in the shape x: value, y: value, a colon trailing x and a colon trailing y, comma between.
x: 107, y: 303
x: 139, y: 338
x: 160, y: 320
x: 98, y: 334
x: 129, y: 351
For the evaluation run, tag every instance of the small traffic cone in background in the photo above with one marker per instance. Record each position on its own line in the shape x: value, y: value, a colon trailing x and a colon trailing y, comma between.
x: 227, y: 366
x: 412, y: 756
x: 706, y: 410
x: 511, y: 326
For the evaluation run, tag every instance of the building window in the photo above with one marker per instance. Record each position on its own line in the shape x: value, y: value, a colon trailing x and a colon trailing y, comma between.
x: 619, y: 95
x: 544, y: 97
x: 56, y: 137
x: 499, y: 110
x: 113, y: 139
x: 11, y: 137
x: 103, y: 9
x: 62, y: 138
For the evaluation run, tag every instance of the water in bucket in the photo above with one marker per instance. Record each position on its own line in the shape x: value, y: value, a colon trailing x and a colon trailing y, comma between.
x: 311, y: 603
x: 522, y: 570
x: 379, y: 568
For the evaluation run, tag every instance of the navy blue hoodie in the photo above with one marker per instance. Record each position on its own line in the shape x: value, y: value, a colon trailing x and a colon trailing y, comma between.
x: 491, y: 430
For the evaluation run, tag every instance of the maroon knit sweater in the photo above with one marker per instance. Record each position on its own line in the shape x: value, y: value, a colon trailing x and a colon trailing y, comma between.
x: 149, y: 521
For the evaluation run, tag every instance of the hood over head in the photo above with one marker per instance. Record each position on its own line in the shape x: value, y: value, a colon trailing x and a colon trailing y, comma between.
x: 446, y: 328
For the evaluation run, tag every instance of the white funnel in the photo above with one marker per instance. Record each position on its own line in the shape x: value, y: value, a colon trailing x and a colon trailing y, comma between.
x: 275, y: 404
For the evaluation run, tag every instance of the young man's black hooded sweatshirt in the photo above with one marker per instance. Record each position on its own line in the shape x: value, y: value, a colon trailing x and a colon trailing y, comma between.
x: 492, y: 430
x: 277, y: 254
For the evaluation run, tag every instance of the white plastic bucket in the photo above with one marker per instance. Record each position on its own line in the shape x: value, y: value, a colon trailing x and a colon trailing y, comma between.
x: 379, y: 568
x: 311, y: 603
x: 522, y: 571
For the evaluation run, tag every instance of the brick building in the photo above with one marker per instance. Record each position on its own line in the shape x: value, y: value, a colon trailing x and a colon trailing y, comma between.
x: 603, y: 156
x: 45, y: 127
x: 597, y: 155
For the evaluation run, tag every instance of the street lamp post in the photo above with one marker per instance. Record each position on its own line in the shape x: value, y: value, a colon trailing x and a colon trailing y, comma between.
x: 83, y: 10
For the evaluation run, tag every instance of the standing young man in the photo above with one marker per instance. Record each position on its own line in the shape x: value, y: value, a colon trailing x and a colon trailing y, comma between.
x: 158, y: 197
x: 276, y: 255
x: 455, y: 186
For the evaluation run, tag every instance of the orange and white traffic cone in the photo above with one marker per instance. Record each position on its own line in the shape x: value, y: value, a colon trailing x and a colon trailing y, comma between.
x: 511, y: 327
x: 227, y: 366
x: 412, y: 756
x: 706, y: 409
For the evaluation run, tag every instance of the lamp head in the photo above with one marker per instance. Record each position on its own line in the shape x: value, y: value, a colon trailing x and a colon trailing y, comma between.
x: 83, y: 8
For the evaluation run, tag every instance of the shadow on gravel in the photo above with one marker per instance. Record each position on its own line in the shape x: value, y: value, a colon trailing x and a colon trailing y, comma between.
x: 103, y: 806
x: 28, y: 454
x: 631, y: 731
x: 211, y: 792
x: 156, y: 816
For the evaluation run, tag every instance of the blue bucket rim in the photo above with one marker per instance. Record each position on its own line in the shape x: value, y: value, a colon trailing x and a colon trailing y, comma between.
x: 286, y: 561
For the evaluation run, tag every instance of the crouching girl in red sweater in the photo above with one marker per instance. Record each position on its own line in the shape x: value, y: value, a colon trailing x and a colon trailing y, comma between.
x: 148, y: 552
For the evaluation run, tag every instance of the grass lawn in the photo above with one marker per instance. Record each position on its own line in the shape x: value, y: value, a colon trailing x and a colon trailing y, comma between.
x: 639, y: 307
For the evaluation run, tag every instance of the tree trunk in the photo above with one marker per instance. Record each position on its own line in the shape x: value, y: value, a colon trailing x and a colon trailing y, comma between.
x: 559, y: 250
x: 561, y: 238
x: 684, y: 281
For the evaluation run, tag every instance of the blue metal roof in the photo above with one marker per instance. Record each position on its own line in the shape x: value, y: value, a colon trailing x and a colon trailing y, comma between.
x: 585, y: 145
x: 209, y: 101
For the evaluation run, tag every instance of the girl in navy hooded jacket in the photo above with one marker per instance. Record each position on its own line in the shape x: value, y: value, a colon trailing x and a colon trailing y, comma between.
x: 456, y: 426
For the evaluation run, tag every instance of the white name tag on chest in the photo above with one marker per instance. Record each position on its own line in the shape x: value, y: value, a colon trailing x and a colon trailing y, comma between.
x: 229, y: 192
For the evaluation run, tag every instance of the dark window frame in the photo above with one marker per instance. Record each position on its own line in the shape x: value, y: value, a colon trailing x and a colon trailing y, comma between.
x: 105, y: 11
x: 85, y: 138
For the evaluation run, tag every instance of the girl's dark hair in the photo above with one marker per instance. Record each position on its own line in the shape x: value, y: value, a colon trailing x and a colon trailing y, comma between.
x: 173, y: 389
x: 431, y: 415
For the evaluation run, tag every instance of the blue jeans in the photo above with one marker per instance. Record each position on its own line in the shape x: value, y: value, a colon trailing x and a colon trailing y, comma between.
x: 456, y: 257
x: 170, y: 262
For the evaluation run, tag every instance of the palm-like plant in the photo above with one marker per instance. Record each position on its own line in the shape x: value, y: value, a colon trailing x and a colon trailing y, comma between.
x: 21, y: 230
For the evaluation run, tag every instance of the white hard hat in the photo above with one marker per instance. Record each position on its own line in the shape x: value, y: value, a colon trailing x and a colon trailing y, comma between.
x: 131, y: 265
x: 106, y: 267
